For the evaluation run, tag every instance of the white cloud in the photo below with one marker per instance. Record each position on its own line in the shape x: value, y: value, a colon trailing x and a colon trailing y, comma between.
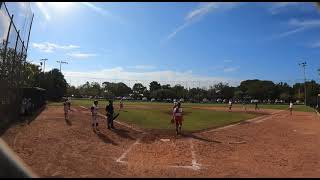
x: 49, y: 8
x: 171, y: 35
x: 199, y: 12
x: 81, y: 55
x: 231, y: 69
x: 284, y: 34
x: 96, y: 8
x: 142, y: 67
x: 206, y: 8
x: 315, y: 44
x: 305, y: 23
x: 4, y: 25
x: 102, y: 11
x: 278, y: 7
x: 300, y: 25
x: 51, y: 47
x: 227, y: 61
x: 44, y: 10
x: 164, y: 77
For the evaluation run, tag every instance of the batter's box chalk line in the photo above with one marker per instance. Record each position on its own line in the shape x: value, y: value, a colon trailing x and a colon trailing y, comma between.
x: 119, y: 160
x: 194, y: 164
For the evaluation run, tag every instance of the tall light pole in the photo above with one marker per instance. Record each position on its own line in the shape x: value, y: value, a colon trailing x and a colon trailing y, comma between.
x: 62, y: 62
x: 44, y: 63
x: 303, y: 65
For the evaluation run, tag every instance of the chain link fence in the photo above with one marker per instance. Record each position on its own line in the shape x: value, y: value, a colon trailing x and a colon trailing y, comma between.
x: 15, y: 24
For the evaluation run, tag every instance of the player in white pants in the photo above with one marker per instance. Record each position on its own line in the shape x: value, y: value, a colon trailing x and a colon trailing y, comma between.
x: 230, y: 105
x: 66, y: 108
x: 94, y: 113
x: 290, y: 107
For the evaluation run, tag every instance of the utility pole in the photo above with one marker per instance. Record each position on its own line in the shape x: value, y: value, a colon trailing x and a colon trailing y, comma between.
x: 199, y: 92
x: 62, y: 62
x: 303, y: 65
x: 44, y: 63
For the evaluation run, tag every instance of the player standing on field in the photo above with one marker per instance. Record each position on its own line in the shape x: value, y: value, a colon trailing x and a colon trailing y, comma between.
x: 177, y: 117
x: 121, y: 105
x: 66, y: 108
x: 94, y: 113
x: 69, y: 103
x: 256, y: 106
x: 174, y: 104
x: 290, y: 107
x: 244, y: 105
x: 110, y: 112
x: 230, y: 105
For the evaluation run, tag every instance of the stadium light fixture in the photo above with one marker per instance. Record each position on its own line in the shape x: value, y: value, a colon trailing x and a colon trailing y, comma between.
x: 303, y: 65
x: 62, y: 62
x: 44, y: 63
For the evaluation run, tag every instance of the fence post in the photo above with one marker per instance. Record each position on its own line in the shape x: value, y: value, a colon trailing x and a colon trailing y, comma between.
x: 21, y: 65
x: 15, y: 47
x: 29, y: 33
x: 6, y: 41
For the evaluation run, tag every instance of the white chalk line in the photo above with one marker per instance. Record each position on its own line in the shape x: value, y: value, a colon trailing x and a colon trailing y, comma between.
x: 268, y: 117
x: 15, y: 139
x: 119, y: 160
x: 194, y: 165
x: 256, y: 120
x: 197, y: 166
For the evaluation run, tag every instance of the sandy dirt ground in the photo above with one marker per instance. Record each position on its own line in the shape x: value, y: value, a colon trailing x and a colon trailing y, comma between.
x: 273, y: 145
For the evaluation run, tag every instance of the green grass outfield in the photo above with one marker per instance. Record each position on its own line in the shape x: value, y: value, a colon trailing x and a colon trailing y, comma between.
x: 155, y: 115
x: 195, y: 119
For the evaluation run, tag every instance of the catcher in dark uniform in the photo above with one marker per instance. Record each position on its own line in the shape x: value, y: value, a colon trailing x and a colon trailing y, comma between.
x: 110, y: 115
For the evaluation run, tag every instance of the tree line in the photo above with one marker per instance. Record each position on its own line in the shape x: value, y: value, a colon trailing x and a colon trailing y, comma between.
x: 247, y: 90
x: 262, y: 90
x: 52, y: 81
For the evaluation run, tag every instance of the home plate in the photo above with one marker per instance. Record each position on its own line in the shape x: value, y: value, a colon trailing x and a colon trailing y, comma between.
x: 165, y: 140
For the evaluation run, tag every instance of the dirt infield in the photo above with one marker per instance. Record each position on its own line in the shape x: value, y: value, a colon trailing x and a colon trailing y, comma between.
x: 274, y: 145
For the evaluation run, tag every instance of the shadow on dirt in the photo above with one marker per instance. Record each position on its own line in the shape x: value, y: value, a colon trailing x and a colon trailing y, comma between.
x: 22, y: 120
x: 123, y: 133
x: 189, y: 135
x: 105, y: 139
x: 69, y: 123
x: 149, y: 139
x: 155, y: 135
x: 32, y: 117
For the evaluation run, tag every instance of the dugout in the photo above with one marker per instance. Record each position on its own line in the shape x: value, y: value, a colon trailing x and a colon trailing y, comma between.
x: 33, y: 98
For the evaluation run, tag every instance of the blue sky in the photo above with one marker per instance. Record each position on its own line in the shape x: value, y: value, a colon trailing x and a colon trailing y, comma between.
x: 192, y: 41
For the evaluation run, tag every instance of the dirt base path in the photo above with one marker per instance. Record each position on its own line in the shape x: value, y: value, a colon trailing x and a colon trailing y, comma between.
x: 277, y: 145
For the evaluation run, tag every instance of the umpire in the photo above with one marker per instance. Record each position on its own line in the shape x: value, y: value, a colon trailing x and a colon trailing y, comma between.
x: 110, y: 112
